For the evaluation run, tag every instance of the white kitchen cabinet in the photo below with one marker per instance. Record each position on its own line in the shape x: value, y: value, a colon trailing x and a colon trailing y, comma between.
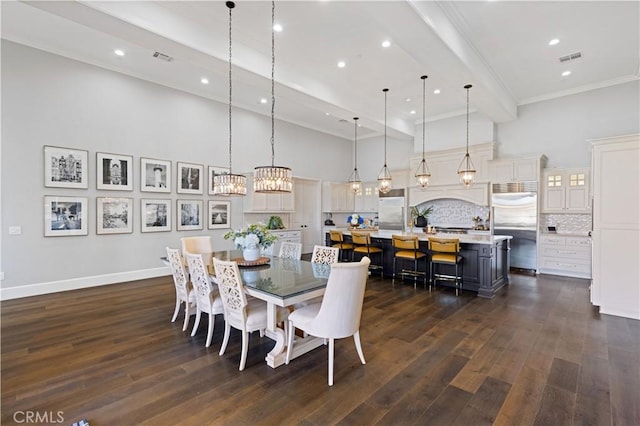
x: 515, y: 170
x: 337, y: 197
x: 367, y: 199
x: 292, y: 236
x: 565, y: 255
x: 267, y: 203
x: 565, y: 191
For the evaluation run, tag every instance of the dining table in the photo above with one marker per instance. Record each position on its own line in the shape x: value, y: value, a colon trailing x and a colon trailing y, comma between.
x: 281, y: 282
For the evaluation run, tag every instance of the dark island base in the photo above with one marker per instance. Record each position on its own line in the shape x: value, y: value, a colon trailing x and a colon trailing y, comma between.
x: 485, y: 271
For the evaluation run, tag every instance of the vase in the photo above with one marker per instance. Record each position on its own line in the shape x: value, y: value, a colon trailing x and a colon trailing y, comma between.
x: 421, y: 222
x: 251, y: 254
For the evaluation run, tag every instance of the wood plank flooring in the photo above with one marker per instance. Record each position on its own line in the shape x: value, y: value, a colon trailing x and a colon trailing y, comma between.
x: 537, y: 354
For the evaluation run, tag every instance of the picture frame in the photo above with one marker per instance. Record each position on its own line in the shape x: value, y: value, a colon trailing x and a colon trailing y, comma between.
x: 189, y: 178
x: 155, y: 215
x: 155, y: 175
x: 114, y: 215
x: 189, y: 215
x: 66, y: 167
x: 215, y: 170
x: 114, y: 171
x: 219, y: 214
x: 65, y: 216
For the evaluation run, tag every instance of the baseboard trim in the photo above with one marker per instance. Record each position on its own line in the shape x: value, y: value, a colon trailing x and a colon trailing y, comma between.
x: 620, y: 312
x: 37, y: 289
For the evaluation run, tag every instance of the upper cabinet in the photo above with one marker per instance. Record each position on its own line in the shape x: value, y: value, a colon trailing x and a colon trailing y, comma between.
x: 337, y: 197
x: 367, y: 199
x: 566, y: 191
x: 267, y: 203
x: 515, y: 170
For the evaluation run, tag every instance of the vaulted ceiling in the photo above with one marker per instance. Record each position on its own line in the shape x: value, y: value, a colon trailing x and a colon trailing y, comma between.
x: 500, y: 47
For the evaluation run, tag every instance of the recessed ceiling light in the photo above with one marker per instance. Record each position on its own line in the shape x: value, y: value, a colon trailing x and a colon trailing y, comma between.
x: 118, y: 52
x: 554, y: 41
x: 386, y: 43
x: 436, y: 92
x: 413, y: 111
x: 326, y: 113
x: 277, y: 27
x: 263, y: 101
x: 341, y: 64
x: 408, y: 99
x: 204, y: 80
x: 566, y: 73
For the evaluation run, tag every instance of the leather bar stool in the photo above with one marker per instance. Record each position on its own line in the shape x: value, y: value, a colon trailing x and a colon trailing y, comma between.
x: 406, y: 247
x: 337, y: 240
x: 445, y: 251
x: 362, y: 245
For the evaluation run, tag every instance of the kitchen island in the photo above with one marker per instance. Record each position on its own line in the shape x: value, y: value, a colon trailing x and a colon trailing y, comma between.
x: 486, y: 258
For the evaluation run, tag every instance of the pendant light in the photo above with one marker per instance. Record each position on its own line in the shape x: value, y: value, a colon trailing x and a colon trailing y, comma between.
x: 270, y: 179
x: 354, y: 180
x: 228, y: 183
x: 422, y: 172
x: 467, y: 170
x: 384, y: 177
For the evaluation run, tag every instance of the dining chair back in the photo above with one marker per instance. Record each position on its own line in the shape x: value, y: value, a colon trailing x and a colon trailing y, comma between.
x: 198, y: 245
x: 325, y: 255
x: 184, y: 292
x: 207, y: 296
x: 338, y: 316
x: 242, y: 313
x: 289, y: 250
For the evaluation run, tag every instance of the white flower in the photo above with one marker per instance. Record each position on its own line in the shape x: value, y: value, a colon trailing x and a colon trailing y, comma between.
x: 251, y: 241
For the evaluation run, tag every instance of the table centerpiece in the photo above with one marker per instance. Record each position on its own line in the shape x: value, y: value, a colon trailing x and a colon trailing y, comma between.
x: 251, y: 240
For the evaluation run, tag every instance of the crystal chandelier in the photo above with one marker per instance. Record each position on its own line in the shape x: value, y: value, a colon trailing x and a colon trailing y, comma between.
x: 384, y: 177
x: 422, y: 172
x: 272, y: 178
x: 228, y: 183
x: 467, y: 170
x: 354, y: 180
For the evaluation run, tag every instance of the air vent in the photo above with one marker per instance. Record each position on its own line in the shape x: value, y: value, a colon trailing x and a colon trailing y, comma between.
x: 571, y: 57
x: 162, y: 56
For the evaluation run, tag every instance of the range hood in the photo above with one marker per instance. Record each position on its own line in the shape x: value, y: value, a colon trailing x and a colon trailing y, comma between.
x: 476, y: 194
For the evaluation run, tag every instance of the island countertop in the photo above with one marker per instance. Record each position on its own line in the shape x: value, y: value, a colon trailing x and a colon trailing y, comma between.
x: 464, y: 238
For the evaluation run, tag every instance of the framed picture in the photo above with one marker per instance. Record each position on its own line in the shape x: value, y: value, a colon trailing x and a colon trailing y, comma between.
x: 189, y: 215
x: 219, y: 214
x: 156, y: 215
x: 66, y: 167
x: 114, y: 215
x: 215, y: 170
x: 155, y: 175
x: 115, y: 171
x: 64, y: 216
x: 190, y: 178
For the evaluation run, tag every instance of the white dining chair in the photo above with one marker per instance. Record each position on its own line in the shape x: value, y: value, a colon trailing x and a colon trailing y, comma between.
x: 198, y: 245
x: 207, y: 295
x: 325, y: 255
x: 338, y: 316
x: 289, y: 250
x: 184, y: 293
x: 242, y: 313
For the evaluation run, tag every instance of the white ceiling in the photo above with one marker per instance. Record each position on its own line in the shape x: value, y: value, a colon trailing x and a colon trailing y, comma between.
x: 501, y: 47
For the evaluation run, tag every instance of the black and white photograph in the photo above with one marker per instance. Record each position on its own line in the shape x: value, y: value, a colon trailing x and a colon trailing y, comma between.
x: 190, y: 179
x: 155, y: 215
x: 114, y: 215
x: 189, y: 215
x: 65, y: 216
x: 115, y: 171
x: 66, y: 167
x: 219, y: 214
x: 155, y: 175
x: 215, y: 170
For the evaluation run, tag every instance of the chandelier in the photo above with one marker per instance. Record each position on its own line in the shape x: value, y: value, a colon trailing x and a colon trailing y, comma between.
x: 384, y: 177
x: 422, y: 172
x: 354, y: 180
x: 228, y: 183
x: 272, y: 178
x: 467, y: 170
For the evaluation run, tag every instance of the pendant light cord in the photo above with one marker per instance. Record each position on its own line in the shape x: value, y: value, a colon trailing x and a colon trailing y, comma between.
x: 424, y: 86
x: 273, y: 73
x: 355, y: 156
x: 468, y: 87
x: 385, y: 126
x: 230, y: 5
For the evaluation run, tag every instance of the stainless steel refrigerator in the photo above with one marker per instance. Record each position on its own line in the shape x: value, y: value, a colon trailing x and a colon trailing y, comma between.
x: 391, y: 210
x: 515, y: 213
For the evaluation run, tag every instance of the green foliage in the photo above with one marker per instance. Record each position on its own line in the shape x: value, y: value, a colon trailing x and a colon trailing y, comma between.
x: 256, y: 235
x: 416, y: 212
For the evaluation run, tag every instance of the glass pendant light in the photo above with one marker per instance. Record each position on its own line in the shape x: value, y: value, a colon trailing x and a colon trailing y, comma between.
x: 384, y: 177
x: 354, y: 180
x: 228, y: 183
x: 269, y: 179
x: 422, y: 172
x: 467, y: 170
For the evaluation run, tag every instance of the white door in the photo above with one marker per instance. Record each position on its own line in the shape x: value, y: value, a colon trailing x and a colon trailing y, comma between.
x: 306, y: 216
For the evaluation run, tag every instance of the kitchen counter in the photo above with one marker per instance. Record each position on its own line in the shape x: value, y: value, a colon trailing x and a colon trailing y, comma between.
x: 422, y: 236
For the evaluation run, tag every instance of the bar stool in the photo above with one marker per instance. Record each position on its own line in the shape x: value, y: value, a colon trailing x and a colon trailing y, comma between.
x: 337, y: 240
x: 445, y: 251
x: 362, y: 244
x: 406, y: 248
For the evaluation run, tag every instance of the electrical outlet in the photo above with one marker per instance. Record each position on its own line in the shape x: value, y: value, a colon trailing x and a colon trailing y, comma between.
x: 15, y: 230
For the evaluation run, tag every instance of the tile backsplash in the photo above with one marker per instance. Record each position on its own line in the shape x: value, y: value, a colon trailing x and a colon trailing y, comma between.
x: 568, y: 223
x: 455, y: 213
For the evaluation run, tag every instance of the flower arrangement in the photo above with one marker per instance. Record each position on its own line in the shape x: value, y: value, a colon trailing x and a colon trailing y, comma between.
x: 255, y: 236
x: 355, y: 220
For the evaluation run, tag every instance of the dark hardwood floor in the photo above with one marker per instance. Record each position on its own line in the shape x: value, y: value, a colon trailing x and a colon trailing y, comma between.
x: 537, y: 354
